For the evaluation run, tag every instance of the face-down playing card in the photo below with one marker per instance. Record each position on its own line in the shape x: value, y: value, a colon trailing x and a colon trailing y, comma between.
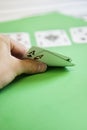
x: 48, y: 57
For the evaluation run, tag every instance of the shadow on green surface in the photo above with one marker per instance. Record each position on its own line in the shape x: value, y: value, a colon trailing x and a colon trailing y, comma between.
x: 25, y: 80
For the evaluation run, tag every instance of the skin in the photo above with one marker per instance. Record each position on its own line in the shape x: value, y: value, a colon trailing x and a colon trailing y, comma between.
x: 12, y: 63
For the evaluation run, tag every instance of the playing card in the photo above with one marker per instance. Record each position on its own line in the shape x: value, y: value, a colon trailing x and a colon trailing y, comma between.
x: 52, y: 38
x: 79, y: 34
x: 33, y: 51
x: 48, y: 57
x: 20, y: 37
x: 52, y: 60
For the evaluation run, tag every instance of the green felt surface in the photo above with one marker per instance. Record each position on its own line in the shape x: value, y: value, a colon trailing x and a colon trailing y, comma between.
x: 56, y: 99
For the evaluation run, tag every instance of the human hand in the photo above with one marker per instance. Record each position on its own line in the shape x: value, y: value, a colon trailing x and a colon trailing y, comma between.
x: 12, y: 64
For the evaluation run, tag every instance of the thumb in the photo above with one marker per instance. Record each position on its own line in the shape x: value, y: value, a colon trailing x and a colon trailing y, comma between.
x: 28, y: 66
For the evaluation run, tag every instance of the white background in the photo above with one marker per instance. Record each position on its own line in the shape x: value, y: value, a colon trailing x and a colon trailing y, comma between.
x: 13, y: 9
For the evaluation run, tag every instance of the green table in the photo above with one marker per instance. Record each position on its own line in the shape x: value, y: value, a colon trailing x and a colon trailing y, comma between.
x: 56, y: 99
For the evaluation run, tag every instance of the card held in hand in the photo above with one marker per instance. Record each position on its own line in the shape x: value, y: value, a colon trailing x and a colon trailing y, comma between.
x: 48, y: 57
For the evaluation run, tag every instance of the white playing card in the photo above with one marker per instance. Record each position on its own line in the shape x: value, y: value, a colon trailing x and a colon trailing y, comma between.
x: 52, y: 38
x: 79, y: 34
x: 50, y: 58
x: 20, y: 37
x: 33, y: 51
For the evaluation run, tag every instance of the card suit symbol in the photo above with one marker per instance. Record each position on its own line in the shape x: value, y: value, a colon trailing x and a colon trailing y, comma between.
x: 51, y: 37
x: 80, y: 30
x: 19, y: 39
x: 30, y: 54
x: 38, y: 57
x: 18, y: 35
x: 83, y: 39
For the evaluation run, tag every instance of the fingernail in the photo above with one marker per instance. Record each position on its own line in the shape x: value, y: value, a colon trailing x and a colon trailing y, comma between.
x: 42, y: 67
